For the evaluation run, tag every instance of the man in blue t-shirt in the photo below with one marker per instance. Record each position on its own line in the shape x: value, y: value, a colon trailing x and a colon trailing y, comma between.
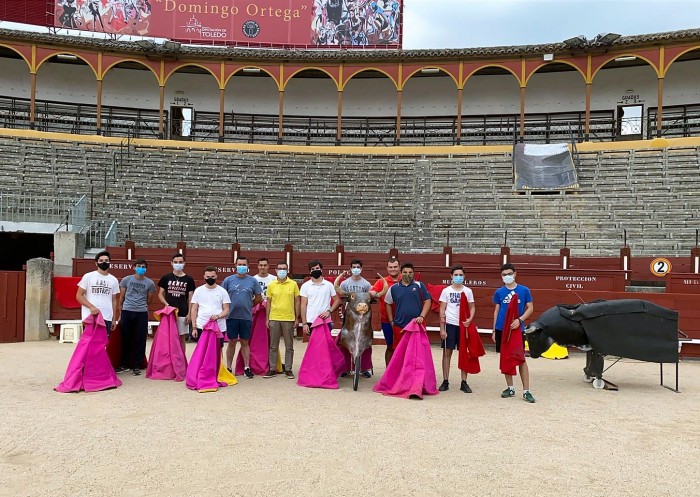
x: 405, y: 301
x: 501, y: 299
x: 245, y: 292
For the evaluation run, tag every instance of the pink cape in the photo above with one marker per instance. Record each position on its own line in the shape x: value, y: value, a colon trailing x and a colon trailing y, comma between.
x: 323, y: 361
x: 203, y: 370
x: 89, y: 368
x: 411, y: 371
x: 167, y: 360
x: 259, y: 344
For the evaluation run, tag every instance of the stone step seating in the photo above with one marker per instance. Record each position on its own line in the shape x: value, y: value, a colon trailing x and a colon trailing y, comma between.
x: 652, y: 194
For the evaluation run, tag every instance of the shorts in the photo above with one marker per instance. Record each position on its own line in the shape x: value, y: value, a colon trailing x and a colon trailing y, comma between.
x: 238, y: 329
x: 452, y: 340
x: 182, y: 327
x: 388, y: 334
x: 499, y: 334
x: 398, y: 334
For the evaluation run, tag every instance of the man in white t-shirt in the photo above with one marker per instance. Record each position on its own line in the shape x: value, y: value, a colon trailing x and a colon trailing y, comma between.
x: 316, y: 295
x: 209, y: 302
x: 263, y: 277
x: 98, y: 292
x: 449, y: 323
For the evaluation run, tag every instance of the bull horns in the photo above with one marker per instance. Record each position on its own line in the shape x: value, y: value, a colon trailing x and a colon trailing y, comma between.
x: 531, y: 329
x: 385, y: 289
x: 336, y: 285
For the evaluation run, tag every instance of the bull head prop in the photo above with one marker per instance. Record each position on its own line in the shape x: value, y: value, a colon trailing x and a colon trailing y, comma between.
x: 631, y: 328
x: 357, y: 334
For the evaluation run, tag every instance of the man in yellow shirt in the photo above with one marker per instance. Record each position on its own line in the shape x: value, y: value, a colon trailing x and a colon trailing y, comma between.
x: 282, y: 319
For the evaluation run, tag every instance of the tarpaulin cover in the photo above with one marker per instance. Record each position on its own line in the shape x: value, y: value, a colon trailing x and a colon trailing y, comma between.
x: 544, y: 167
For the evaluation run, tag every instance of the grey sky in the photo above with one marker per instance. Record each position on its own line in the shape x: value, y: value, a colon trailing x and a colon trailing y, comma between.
x: 482, y: 23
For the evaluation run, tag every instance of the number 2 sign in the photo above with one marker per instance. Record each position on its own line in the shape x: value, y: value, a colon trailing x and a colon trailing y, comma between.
x: 660, y: 266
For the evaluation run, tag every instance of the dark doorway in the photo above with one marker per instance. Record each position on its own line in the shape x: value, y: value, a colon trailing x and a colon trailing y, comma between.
x: 181, y: 122
x: 629, y: 122
x: 17, y: 248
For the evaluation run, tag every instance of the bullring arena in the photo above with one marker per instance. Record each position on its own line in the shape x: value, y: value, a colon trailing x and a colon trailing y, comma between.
x: 317, y: 150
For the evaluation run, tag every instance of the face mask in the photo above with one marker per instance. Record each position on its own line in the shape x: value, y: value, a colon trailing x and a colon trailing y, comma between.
x: 140, y: 271
x: 242, y: 269
x: 210, y: 281
x: 104, y: 266
x: 281, y: 273
x: 458, y: 280
x: 356, y: 271
x: 316, y: 273
x: 508, y: 279
x: 179, y: 267
x: 407, y: 279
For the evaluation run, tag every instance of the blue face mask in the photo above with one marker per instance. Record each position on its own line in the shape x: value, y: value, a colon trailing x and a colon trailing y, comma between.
x: 356, y: 271
x: 458, y: 280
x: 242, y: 269
x: 281, y: 273
x: 140, y: 271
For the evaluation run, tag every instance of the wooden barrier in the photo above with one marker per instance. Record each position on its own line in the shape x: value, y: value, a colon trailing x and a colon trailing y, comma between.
x: 683, y: 283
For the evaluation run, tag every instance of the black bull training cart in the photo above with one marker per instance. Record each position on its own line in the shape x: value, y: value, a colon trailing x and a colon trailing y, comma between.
x: 626, y: 328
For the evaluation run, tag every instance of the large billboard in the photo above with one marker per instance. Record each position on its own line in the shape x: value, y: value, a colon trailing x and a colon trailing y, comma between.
x: 293, y: 23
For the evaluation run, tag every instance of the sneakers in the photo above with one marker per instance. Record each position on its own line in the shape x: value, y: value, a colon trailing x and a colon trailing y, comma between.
x: 367, y: 373
x: 527, y: 397
x: 270, y: 374
x: 508, y: 392
x: 120, y: 369
x: 344, y: 374
x: 444, y: 386
x: 136, y: 372
x: 248, y: 373
x: 289, y: 374
x: 465, y: 387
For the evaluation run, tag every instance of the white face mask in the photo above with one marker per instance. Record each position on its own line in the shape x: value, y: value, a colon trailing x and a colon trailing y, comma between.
x: 356, y: 271
x: 508, y: 279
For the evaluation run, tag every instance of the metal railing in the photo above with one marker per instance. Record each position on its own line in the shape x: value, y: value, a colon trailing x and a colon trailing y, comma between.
x: 100, y: 234
x: 486, y: 129
x: 25, y: 207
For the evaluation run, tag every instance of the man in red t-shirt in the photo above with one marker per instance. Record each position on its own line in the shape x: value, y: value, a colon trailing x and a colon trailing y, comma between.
x: 392, y: 268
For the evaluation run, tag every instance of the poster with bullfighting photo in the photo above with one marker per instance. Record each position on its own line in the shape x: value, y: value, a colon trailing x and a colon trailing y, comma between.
x: 272, y: 23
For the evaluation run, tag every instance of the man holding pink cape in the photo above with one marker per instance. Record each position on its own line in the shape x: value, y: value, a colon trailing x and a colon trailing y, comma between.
x: 210, y: 306
x: 323, y: 361
x: 167, y: 360
x: 411, y: 372
x: 259, y: 344
x: 89, y: 368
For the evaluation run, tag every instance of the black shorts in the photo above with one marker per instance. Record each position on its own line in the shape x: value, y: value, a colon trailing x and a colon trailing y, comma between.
x: 499, y: 334
x: 452, y: 340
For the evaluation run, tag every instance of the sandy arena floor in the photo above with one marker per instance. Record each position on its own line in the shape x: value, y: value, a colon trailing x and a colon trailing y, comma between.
x: 270, y: 437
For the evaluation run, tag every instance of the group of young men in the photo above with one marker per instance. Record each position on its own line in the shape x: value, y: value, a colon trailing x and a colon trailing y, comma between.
x: 287, y: 306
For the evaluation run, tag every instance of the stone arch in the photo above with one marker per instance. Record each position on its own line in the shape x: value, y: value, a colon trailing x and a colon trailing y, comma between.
x: 130, y: 99
x: 555, y: 103
x: 490, y: 105
x: 66, y: 94
x: 626, y: 89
